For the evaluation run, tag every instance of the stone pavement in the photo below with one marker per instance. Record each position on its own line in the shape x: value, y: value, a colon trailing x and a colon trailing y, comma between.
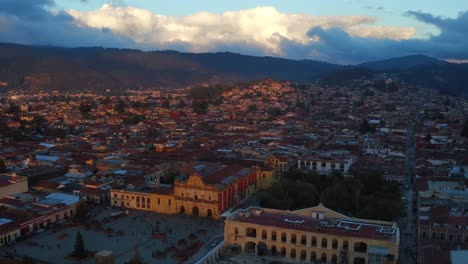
x: 121, y: 235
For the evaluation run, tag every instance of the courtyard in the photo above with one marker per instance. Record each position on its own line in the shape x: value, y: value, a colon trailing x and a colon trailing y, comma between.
x: 162, y: 238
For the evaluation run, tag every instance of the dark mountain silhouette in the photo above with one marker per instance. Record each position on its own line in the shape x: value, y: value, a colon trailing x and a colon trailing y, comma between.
x: 98, y: 68
x: 402, y: 63
x: 34, y: 68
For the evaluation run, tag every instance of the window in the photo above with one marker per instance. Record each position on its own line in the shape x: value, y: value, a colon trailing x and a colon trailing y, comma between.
x: 169, y: 202
x: 283, y: 237
x: 251, y: 232
x: 148, y: 200
x: 293, y: 239
x: 115, y: 195
x: 138, y: 199
x: 314, y: 242
x: 360, y: 247
x: 335, y: 244
x: 324, y: 243
x: 159, y: 201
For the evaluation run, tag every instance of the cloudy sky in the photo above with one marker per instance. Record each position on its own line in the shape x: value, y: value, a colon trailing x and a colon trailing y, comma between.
x: 339, y: 31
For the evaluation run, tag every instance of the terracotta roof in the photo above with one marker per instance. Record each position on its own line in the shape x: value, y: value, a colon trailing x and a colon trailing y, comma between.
x: 220, y: 176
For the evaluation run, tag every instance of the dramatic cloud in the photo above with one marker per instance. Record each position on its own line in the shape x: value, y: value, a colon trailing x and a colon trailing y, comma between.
x: 261, y: 28
x: 32, y: 22
x: 257, y: 31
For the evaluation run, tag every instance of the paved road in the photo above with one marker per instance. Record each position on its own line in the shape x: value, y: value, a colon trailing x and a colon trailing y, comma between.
x: 408, y: 226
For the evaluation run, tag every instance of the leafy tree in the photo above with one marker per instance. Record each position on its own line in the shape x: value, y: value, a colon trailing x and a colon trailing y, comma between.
x: 276, y: 111
x: 252, y: 108
x: 363, y: 195
x: 79, y: 250
x: 181, y: 104
x: 107, y: 101
x: 166, y: 104
x: 364, y: 128
x: 120, y: 106
x: 14, y: 109
x: 169, y: 177
x: 207, y: 92
x: 153, y: 133
x: 55, y: 132
x: 137, y: 259
x: 27, y: 260
x: 38, y: 122
x: 82, y: 212
x: 465, y: 129
x: 428, y: 137
x: 200, y: 107
x: 3, y: 166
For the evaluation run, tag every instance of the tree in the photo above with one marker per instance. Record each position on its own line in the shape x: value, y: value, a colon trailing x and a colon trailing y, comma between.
x: 169, y: 177
x: 252, y: 108
x: 465, y: 129
x: 121, y: 106
x: 14, y: 109
x: 27, y: 260
x: 81, y: 212
x: 200, y: 107
x: 107, y: 101
x: 428, y: 137
x: 137, y: 259
x: 3, y: 166
x: 364, y: 127
x: 85, y: 108
x: 79, y: 250
x: 55, y: 132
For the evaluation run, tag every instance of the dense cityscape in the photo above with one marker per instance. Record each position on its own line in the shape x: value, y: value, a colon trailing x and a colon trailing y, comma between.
x: 370, y: 172
x: 233, y: 132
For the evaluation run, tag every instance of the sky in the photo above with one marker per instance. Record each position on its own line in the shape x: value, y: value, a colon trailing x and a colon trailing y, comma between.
x: 345, y: 32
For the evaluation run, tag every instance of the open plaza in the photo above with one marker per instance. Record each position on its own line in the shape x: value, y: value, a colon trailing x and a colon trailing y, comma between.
x: 162, y: 238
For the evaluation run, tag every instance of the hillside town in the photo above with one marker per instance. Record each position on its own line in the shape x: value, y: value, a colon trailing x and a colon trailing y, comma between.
x: 374, y: 172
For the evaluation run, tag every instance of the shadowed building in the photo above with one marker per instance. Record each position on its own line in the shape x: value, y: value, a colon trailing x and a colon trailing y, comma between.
x: 312, y: 235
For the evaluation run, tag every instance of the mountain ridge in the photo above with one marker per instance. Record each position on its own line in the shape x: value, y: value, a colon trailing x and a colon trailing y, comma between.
x: 34, y: 68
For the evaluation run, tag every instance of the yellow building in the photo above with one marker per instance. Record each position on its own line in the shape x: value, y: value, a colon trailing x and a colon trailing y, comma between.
x: 203, y: 188
x: 312, y: 235
x: 158, y: 199
x: 278, y: 162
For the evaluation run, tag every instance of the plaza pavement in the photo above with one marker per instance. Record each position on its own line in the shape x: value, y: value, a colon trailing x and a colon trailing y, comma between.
x: 52, y: 246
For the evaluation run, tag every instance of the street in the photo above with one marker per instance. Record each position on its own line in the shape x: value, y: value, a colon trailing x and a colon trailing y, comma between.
x: 408, y: 225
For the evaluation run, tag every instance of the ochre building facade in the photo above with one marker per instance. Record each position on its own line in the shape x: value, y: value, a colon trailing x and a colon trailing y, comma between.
x: 313, y: 235
x: 204, y: 189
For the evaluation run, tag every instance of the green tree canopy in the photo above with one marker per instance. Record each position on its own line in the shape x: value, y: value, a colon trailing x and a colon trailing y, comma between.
x: 465, y: 128
x: 3, y: 166
x: 79, y: 249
